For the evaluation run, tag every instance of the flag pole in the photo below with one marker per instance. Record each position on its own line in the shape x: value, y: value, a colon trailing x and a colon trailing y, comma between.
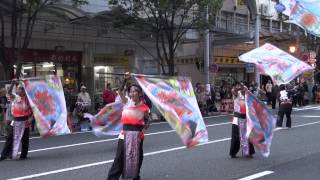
x: 136, y: 75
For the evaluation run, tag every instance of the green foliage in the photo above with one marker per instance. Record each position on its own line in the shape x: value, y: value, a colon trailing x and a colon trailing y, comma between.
x: 168, y: 20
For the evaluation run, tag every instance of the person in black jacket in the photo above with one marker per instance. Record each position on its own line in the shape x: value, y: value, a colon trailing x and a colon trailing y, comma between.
x: 274, y: 94
x: 3, y: 104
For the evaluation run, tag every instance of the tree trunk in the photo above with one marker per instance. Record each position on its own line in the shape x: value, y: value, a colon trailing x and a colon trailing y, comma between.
x: 171, y: 60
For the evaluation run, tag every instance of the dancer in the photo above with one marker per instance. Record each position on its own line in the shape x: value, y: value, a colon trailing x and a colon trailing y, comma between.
x: 285, y: 108
x: 134, y: 117
x: 22, y: 117
x: 238, y: 133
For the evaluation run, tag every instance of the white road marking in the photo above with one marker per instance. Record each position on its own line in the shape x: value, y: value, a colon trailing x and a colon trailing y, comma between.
x: 255, y: 176
x: 221, y: 115
x: 307, y: 124
x: 308, y: 116
x: 107, y: 140
x: 38, y: 137
x: 306, y: 108
x: 109, y: 161
x: 146, y: 154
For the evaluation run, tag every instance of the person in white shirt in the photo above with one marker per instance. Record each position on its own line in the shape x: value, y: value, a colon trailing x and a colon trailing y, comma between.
x: 83, y: 105
x: 285, y: 108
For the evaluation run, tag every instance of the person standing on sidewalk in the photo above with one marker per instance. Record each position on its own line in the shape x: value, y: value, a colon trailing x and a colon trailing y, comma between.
x: 108, y: 95
x: 83, y: 105
x: 3, y: 104
x: 238, y: 133
x: 274, y: 95
x: 22, y: 117
x: 135, y: 116
x: 268, y: 89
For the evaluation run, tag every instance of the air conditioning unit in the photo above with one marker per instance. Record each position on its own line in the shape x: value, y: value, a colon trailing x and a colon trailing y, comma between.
x: 264, y: 10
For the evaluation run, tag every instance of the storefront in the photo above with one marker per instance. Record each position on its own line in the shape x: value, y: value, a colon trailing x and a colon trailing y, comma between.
x: 104, y: 66
x: 230, y: 70
x: 66, y: 64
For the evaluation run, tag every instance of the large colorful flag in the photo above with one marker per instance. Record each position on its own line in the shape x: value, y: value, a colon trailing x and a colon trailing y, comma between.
x: 175, y: 99
x: 260, y: 124
x: 304, y: 13
x: 48, y: 104
x: 279, y: 65
x: 107, y: 121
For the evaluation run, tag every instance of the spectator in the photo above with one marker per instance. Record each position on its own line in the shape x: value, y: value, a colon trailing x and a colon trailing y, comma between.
x: 108, y: 95
x: 67, y: 96
x: 3, y: 103
x: 274, y: 95
x: 300, y: 97
x: 202, y: 98
x: 83, y: 105
x: 268, y: 88
x: 314, y: 92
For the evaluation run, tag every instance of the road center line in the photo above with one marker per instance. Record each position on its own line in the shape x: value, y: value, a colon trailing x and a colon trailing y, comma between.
x: 109, y: 161
x: 257, y: 175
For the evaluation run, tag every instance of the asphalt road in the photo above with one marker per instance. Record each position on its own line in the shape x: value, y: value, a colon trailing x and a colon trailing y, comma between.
x: 295, y: 154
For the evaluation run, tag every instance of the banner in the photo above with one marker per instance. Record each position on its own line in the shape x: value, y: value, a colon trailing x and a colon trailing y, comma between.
x: 107, y: 121
x: 279, y: 65
x: 48, y: 104
x: 260, y: 124
x: 304, y: 13
x: 175, y: 99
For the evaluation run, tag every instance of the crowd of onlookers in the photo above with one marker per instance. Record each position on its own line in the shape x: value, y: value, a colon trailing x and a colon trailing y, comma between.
x: 219, y: 99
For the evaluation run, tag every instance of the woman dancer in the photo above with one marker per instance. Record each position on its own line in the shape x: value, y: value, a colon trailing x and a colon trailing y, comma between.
x: 134, y: 117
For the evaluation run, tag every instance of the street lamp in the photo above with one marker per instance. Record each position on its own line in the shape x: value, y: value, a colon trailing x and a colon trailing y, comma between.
x: 292, y: 49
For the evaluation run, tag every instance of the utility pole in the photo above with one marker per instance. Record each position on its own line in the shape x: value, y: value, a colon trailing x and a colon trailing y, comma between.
x: 253, y: 6
x: 207, y: 50
x: 257, y: 40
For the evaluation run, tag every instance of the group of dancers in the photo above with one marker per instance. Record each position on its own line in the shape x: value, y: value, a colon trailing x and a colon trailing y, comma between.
x: 135, y: 116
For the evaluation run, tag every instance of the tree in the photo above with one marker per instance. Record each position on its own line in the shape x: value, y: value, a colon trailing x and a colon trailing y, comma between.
x: 167, y: 20
x: 23, y: 16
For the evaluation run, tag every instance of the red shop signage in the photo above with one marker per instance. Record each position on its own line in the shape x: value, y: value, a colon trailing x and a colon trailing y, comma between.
x: 39, y: 55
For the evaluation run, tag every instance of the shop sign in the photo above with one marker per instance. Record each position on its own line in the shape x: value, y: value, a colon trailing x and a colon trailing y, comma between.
x: 250, y: 68
x: 40, y: 55
x: 227, y: 60
x: 111, y: 60
x: 308, y: 75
